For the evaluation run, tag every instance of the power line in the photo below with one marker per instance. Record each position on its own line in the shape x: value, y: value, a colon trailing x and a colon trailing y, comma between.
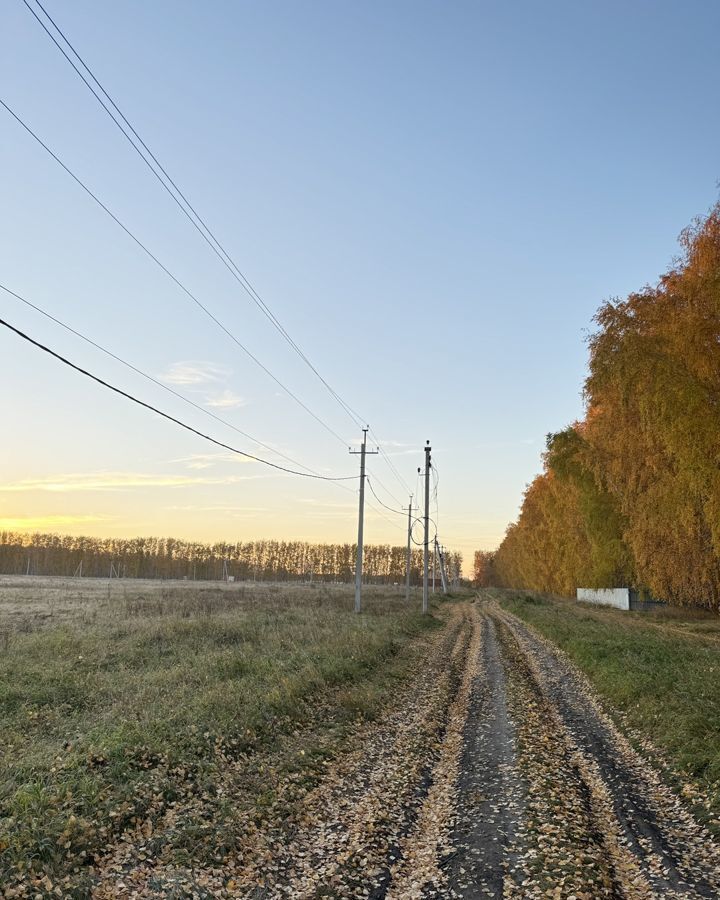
x: 384, y: 516
x: 399, y: 512
x: 187, y: 208
x: 167, y: 271
x: 165, y: 415
x: 387, y: 459
x: 184, y: 289
x: 420, y: 520
x: 391, y: 465
x: 150, y: 378
x: 386, y: 488
x: 180, y: 198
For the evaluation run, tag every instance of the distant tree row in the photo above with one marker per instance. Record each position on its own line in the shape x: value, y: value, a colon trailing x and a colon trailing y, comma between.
x: 53, y: 554
x: 631, y: 495
x: 484, y: 569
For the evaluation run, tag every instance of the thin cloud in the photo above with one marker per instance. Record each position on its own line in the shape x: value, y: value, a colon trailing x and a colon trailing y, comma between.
x: 411, y: 451
x: 194, y: 372
x: 208, y: 460
x: 311, y: 501
x: 190, y: 507
x: 226, y: 400
x: 397, y: 445
x: 115, y: 481
x: 47, y: 522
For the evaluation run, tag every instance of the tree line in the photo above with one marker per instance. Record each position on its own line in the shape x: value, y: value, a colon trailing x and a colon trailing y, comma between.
x: 630, y: 495
x: 150, y: 557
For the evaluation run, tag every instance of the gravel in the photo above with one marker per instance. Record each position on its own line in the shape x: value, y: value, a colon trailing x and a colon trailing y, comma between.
x: 496, y: 773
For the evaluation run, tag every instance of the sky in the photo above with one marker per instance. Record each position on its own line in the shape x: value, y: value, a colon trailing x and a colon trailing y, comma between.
x: 432, y: 198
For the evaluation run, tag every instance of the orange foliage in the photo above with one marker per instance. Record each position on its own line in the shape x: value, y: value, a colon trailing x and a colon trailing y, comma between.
x: 632, y: 494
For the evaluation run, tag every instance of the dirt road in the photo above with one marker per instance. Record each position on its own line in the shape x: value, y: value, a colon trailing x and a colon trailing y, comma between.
x: 496, y: 774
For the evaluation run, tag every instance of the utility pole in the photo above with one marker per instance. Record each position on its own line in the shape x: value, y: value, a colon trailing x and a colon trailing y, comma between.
x: 426, y: 540
x: 441, y: 556
x: 361, y: 512
x: 408, y: 557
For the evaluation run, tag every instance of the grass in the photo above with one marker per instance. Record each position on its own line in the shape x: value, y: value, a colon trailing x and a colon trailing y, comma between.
x: 660, y: 669
x: 142, y: 698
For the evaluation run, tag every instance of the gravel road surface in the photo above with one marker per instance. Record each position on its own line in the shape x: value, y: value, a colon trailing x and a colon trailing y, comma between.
x: 496, y: 773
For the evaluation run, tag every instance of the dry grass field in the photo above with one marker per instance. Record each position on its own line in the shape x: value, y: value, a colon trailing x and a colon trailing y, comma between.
x: 120, y: 700
x: 31, y: 602
x: 261, y: 741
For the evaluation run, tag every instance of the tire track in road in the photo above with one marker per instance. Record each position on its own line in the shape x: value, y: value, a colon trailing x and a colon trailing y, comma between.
x: 491, y: 794
x: 572, y: 847
x: 651, y: 844
x: 418, y: 872
x: 352, y: 829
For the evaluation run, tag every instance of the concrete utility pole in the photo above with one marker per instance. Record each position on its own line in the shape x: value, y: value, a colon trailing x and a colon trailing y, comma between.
x: 361, y: 512
x: 441, y: 556
x: 426, y: 540
x: 408, y: 557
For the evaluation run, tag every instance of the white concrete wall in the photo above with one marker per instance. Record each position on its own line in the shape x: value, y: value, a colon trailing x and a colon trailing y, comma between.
x: 617, y: 597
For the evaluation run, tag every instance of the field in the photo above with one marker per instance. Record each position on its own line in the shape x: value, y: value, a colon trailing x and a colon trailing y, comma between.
x: 261, y: 741
x: 119, y: 700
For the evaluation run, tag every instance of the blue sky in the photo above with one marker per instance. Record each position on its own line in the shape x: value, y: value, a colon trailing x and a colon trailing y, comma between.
x: 433, y: 198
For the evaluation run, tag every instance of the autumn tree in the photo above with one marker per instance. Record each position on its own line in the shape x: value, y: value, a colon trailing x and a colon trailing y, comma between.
x: 653, y: 393
x: 483, y: 568
x: 631, y: 495
x: 51, y: 554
